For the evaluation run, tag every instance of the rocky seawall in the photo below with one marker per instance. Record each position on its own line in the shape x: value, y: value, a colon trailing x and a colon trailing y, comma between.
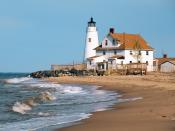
x: 72, y: 72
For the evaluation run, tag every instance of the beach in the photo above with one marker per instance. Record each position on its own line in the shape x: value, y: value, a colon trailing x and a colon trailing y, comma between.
x: 154, y: 112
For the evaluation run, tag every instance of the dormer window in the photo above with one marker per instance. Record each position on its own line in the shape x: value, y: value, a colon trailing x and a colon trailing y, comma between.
x: 106, y: 42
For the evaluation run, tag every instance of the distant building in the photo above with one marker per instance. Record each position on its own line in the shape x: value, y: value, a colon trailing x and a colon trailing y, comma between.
x: 116, y: 49
x: 168, y: 66
x: 165, y: 64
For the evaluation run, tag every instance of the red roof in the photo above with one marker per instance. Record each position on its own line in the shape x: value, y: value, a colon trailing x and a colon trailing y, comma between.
x: 127, y: 42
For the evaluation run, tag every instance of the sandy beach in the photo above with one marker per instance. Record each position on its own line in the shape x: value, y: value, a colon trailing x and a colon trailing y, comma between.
x: 155, y: 112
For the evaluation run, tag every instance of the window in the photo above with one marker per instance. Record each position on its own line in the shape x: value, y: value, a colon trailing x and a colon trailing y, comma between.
x: 113, y: 42
x: 115, y: 52
x: 147, y: 52
x: 103, y: 66
x: 154, y: 63
x: 147, y: 62
x: 130, y: 62
x: 130, y: 52
x: 140, y: 53
x: 90, y: 62
x: 89, y: 39
x: 104, y: 53
x: 106, y: 42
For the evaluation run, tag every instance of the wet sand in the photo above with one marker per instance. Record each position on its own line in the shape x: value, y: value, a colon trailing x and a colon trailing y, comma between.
x: 155, y: 112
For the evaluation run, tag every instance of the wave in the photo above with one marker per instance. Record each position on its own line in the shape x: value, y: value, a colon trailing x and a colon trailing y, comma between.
x: 27, y: 105
x: 60, y: 88
x: 42, y: 123
x: 18, y: 80
x: 46, y: 96
x: 43, y: 114
x: 21, y: 107
x: 46, y: 85
x: 72, y: 90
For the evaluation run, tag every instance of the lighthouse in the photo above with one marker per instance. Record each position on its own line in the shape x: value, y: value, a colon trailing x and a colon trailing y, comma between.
x: 91, y: 39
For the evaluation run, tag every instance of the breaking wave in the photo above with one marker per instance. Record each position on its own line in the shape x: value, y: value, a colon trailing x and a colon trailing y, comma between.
x: 18, y: 80
x: 27, y: 105
x: 60, y: 88
x: 21, y: 107
x: 46, y: 85
x: 36, y: 104
x: 72, y: 90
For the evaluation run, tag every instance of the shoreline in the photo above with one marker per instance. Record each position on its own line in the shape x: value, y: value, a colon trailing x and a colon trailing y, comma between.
x: 154, y: 112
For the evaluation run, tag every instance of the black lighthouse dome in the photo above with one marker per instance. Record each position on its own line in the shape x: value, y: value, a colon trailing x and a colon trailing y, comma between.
x: 91, y: 23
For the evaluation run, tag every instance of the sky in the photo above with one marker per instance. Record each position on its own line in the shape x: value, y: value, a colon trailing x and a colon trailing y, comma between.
x: 37, y: 33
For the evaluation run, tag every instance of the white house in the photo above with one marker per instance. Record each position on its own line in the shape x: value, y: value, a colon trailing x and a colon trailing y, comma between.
x: 117, y: 49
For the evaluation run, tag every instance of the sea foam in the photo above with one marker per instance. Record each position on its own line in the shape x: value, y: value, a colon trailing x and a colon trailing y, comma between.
x: 60, y: 88
x: 72, y: 90
x: 21, y: 107
x: 46, y: 96
x: 46, y: 85
x: 18, y: 80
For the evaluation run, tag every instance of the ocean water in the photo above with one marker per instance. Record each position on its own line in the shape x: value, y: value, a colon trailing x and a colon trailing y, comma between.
x: 34, y: 104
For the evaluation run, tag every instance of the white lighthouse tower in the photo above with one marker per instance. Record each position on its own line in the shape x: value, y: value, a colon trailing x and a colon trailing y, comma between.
x: 91, y: 39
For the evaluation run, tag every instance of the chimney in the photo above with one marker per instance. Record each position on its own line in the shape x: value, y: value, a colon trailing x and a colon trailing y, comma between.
x: 111, y: 30
x: 164, y: 55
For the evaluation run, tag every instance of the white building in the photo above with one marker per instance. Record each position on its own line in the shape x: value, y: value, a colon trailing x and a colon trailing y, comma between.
x: 117, y: 49
x: 168, y: 66
x: 165, y: 64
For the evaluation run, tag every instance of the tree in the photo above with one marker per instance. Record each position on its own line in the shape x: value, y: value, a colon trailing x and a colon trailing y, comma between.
x: 137, y: 51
